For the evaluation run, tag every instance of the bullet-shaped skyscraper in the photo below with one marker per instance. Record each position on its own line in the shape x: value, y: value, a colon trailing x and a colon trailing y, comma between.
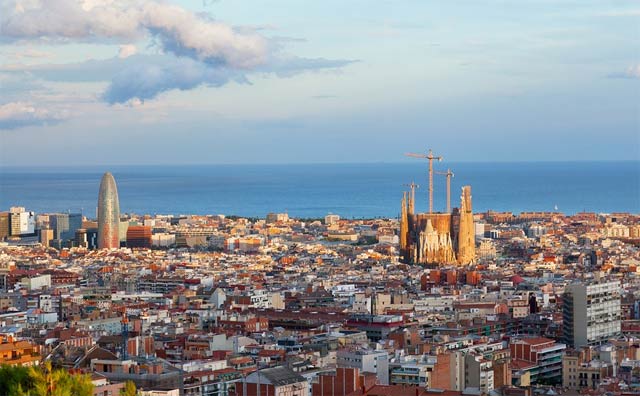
x: 108, y: 213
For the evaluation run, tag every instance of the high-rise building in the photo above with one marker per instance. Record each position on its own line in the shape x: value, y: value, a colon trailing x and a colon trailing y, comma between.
x: 92, y: 238
x: 108, y: 213
x: 21, y: 222
x: 64, y: 225
x: 81, y: 238
x: 139, y: 237
x: 591, y: 313
x: 4, y: 225
x: 46, y: 235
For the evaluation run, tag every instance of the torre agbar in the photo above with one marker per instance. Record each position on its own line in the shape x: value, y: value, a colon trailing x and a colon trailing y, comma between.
x: 108, y: 213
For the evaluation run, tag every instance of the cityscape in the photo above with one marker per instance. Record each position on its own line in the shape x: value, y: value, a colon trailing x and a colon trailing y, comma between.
x: 319, y: 198
x: 434, y: 303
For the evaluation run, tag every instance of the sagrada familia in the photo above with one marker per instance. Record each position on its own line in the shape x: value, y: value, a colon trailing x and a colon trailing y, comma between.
x: 437, y: 238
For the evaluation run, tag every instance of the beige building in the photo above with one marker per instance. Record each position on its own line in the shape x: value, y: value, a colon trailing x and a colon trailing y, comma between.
x: 580, y: 372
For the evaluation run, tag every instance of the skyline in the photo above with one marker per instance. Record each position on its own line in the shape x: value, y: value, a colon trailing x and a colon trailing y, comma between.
x: 337, y: 83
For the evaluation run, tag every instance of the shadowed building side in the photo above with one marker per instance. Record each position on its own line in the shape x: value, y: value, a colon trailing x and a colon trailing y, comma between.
x: 108, y: 213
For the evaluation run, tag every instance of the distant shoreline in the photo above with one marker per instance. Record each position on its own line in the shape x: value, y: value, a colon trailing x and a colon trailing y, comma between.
x: 97, y: 167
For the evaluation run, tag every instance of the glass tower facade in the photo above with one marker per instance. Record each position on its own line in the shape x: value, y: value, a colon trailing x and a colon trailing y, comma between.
x: 108, y: 213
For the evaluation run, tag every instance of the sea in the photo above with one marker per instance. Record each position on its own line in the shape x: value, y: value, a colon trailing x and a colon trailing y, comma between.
x: 367, y: 190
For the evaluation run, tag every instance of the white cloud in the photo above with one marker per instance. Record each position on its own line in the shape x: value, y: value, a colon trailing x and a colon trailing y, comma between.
x: 177, y: 30
x: 197, y: 51
x: 632, y: 72
x: 127, y: 50
x: 18, y: 114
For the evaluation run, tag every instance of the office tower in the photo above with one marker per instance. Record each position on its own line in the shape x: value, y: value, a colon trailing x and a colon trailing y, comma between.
x: 21, y: 222
x: 46, y: 235
x: 139, y: 237
x: 591, y: 313
x: 108, y: 213
x: 466, y: 234
x: 92, y: 238
x: 64, y: 225
x: 4, y: 225
x: 81, y: 238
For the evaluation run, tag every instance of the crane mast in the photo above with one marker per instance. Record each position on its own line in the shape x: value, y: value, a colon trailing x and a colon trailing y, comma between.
x: 429, y: 156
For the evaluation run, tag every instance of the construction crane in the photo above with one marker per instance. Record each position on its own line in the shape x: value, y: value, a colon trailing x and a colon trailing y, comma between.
x: 430, y: 157
x: 449, y: 175
x: 412, y: 201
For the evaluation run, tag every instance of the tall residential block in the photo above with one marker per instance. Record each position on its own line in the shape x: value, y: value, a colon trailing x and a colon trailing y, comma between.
x: 591, y: 313
x: 21, y: 222
x: 108, y: 213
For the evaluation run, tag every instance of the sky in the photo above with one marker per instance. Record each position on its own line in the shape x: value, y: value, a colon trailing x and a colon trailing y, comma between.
x: 86, y: 82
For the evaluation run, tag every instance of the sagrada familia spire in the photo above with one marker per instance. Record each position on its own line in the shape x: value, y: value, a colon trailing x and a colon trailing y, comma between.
x: 437, y: 238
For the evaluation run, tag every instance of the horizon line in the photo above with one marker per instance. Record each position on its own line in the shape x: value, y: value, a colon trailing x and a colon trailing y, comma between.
x: 313, y: 163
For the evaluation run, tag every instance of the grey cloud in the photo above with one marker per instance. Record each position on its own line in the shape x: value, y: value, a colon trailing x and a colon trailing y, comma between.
x: 147, y: 80
x: 146, y: 76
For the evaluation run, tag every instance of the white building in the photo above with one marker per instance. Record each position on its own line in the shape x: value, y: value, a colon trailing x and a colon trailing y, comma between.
x: 163, y: 240
x: 412, y: 370
x: 368, y: 361
x: 37, y: 282
x: 591, y: 313
x: 616, y: 230
x: 22, y: 222
x: 331, y: 219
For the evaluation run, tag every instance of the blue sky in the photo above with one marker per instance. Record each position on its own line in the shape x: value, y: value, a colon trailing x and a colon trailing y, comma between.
x: 238, y: 81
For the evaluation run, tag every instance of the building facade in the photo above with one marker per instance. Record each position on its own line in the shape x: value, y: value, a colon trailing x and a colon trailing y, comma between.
x: 591, y: 313
x: 64, y: 225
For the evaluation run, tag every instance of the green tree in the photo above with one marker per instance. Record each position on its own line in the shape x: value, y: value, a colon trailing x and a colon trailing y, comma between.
x: 129, y: 389
x: 46, y: 381
x: 13, y: 380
